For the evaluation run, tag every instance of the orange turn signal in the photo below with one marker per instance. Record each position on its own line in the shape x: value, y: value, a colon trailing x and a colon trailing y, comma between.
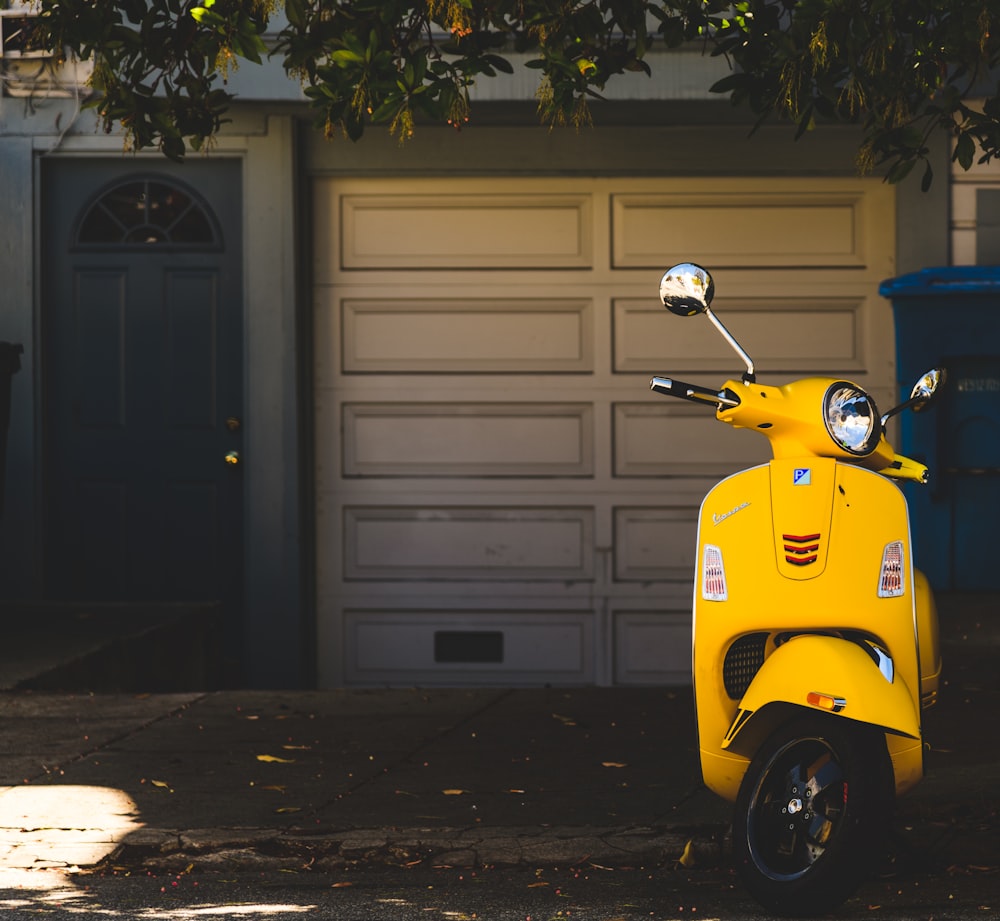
x: 825, y: 701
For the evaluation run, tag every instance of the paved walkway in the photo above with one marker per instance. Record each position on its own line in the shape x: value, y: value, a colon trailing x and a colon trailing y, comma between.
x: 459, y: 777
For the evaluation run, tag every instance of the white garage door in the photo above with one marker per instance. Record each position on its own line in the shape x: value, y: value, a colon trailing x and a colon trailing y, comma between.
x: 500, y: 499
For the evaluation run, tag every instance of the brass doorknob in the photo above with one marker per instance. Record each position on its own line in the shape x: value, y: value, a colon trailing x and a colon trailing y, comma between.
x: 232, y: 457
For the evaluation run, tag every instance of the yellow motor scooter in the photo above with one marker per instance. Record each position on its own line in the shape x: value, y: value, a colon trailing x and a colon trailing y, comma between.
x: 815, y: 639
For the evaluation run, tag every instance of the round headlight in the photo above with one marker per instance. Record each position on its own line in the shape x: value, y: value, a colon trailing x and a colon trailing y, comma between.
x: 851, y: 418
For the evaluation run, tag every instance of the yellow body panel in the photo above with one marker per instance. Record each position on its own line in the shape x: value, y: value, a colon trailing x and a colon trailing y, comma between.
x: 907, y: 757
x: 835, y: 668
x: 778, y: 413
x: 928, y: 639
x: 765, y: 521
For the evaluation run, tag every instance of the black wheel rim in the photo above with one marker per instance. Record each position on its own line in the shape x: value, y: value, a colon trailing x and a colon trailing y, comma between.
x: 798, y: 808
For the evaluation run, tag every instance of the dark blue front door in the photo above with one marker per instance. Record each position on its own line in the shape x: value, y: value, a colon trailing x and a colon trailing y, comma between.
x: 142, y: 363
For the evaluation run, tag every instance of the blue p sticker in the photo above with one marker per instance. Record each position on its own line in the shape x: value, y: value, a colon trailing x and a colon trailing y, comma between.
x: 802, y: 476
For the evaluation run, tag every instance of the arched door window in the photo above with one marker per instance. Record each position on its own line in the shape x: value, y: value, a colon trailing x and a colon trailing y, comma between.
x: 146, y: 212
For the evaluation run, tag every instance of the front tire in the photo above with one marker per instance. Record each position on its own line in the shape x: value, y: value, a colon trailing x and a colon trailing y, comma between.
x: 812, y: 813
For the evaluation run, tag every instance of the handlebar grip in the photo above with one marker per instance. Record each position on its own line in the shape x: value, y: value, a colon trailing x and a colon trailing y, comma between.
x: 904, y: 468
x: 693, y: 392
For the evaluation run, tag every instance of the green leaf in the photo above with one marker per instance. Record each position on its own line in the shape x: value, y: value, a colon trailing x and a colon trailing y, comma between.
x: 134, y: 10
x: 731, y: 82
x: 295, y: 10
x: 173, y: 147
x: 347, y: 56
x: 965, y: 150
x: 899, y: 171
x: 928, y: 177
x: 206, y: 17
x: 501, y: 64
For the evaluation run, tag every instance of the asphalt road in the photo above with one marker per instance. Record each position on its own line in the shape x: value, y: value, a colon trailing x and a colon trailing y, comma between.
x: 380, y: 893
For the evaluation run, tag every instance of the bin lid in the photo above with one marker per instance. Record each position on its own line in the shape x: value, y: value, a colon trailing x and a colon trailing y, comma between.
x: 949, y: 279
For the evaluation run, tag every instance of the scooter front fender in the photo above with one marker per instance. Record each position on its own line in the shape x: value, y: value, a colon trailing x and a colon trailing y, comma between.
x: 824, y: 673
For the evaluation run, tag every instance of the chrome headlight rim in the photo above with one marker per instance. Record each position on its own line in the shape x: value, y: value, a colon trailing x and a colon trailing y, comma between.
x: 859, y: 441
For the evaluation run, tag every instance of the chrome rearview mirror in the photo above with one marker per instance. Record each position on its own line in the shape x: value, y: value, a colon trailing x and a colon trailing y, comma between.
x: 687, y: 289
x: 925, y: 389
x: 922, y: 395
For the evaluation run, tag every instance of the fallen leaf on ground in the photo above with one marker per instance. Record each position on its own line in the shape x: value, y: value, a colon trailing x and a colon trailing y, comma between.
x: 283, y: 809
x: 565, y: 720
x: 274, y: 759
x: 687, y: 858
x: 616, y: 764
x: 343, y: 885
x: 454, y: 792
x: 536, y: 885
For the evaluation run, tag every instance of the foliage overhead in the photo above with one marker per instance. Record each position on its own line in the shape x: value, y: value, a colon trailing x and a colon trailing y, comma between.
x: 902, y: 69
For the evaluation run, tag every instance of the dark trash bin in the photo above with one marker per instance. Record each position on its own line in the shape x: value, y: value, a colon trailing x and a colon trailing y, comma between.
x: 950, y: 317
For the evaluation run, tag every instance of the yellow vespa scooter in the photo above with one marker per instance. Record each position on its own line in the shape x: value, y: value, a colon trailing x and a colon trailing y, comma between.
x: 815, y: 639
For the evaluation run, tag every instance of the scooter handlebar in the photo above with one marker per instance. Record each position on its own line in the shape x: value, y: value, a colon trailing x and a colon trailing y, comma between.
x: 904, y: 468
x: 883, y: 458
x: 693, y: 392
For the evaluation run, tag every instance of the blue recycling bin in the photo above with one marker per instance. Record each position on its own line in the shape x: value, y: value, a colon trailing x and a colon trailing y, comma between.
x: 950, y: 317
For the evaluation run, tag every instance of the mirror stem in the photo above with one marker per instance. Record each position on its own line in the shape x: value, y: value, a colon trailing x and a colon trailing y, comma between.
x: 748, y: 376
x: 896, y: 410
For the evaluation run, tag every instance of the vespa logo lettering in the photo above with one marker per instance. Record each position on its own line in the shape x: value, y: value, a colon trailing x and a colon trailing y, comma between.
x: 719, y: 518
x: 802, y: 476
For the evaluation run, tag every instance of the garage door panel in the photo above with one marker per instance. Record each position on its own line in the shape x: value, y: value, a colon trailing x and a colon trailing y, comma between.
x: 680, y: 440
x: 468, y: 543
x: 503, y: 646
x: 739, y: 229
x: 655, y: 544
x: 516, y: 335
x: 466, y: 231
x: 652, y: 647
x: 499, y: 497
x: 818, y: 334
x: 468, y: 440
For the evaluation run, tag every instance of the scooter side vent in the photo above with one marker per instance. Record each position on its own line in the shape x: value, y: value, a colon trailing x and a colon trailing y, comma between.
x: 801, y: 551
x: 743, y: 660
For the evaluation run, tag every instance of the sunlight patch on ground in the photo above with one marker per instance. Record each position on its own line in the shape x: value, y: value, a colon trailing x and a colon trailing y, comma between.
x: 260, y: 910
x: 23, y: 888
x: 69, y: 901
x: 62, y: 826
